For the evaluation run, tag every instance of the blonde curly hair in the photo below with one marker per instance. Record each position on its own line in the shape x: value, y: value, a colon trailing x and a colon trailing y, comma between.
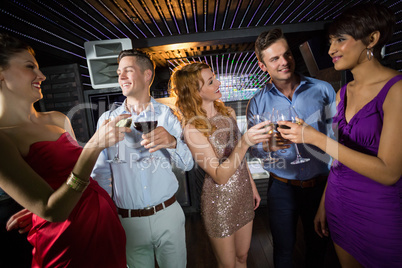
x: 186, y: 83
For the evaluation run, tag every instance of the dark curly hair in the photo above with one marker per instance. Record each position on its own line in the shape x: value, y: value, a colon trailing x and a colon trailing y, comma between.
x: 361, y: 20
x: 185, y: 86
x: 9, y: 46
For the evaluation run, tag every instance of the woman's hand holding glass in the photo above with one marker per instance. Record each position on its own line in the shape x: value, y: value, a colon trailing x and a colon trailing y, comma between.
x: 258, y: 133
x: 261, y: 118
x: 292, y: 130
x: 297, y: 132
x: 121, y: 123
x: 109, y: 133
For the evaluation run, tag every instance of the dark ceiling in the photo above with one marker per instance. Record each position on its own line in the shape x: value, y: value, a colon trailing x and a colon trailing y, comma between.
x: 169, y: 29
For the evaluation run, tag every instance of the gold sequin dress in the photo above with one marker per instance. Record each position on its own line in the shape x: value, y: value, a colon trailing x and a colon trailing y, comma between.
x: 228, y: 207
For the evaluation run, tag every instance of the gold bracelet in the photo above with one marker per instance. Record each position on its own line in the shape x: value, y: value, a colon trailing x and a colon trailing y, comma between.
x: 76, y: 183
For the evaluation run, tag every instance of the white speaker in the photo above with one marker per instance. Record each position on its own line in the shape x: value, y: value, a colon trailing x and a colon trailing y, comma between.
x: 102, y: 61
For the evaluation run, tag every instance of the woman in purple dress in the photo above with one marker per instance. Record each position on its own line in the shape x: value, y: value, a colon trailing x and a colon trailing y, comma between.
x: 363, y: 199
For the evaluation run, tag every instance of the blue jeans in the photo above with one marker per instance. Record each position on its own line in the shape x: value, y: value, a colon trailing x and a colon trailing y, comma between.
x: 286, y: 203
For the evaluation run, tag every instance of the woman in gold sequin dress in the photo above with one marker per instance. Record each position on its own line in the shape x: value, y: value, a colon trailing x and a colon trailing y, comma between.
x: 229, y: 195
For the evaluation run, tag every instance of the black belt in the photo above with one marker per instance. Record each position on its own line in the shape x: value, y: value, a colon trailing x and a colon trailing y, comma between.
x: 302, y: 183
x: 148, y: 211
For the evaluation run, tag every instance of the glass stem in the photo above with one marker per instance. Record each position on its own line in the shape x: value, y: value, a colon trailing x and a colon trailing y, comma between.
x: 117, y: 151
x: 269, y: 155
x: 297, y: 151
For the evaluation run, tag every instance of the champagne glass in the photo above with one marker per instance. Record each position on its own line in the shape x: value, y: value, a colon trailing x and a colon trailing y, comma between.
x: 294, y: 117
x: 258, y: 118
x: 145, y: 121
x: 122, y: 123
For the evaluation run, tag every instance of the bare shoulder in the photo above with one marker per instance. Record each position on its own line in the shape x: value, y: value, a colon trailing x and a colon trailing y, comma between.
x: 396, y: 89
x: 395, y: 92
x: 190, y: 128
x: 57, y: 118
x: 394, y: 96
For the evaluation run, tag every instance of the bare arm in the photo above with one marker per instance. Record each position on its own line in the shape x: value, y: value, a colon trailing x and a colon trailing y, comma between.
x: 204, y: 154
x: 25, y: 186
x: 384, y: 168
x: 320, y: 220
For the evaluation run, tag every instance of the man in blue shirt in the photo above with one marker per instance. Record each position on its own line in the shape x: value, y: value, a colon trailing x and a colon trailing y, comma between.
x: 294, y: 190
x: 144, y: 191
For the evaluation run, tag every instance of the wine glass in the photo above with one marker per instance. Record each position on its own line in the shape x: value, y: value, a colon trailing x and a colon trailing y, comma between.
x: 280, y: 115
x: 145, y: 121
x: 258, y: 118
x: 122, y: 123
x: 294, y: 117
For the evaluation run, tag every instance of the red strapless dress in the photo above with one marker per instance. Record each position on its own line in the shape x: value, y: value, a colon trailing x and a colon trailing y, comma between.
x: 92, y: 236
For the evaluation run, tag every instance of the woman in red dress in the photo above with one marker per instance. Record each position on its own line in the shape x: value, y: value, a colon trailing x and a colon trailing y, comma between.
x: 74, y: 221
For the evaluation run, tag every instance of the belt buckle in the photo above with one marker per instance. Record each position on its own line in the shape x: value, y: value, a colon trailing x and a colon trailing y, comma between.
x: 301, y: 184
x: 149, y: 208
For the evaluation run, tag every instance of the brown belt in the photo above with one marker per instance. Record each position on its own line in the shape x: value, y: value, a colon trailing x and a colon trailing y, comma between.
x: 148, y: 211
x: 302, y: 183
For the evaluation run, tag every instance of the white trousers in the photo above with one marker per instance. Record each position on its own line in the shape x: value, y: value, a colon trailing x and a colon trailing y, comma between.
x: 160, y: 236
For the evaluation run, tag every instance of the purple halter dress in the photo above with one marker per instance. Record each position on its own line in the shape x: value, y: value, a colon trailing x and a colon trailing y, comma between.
x: 364, y: 217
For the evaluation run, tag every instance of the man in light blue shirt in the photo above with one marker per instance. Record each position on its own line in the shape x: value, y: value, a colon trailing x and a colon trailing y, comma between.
x: 144, y: 191
x: 294, y: 190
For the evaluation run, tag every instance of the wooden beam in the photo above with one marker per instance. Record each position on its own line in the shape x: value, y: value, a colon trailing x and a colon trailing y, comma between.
x: 231, y: 36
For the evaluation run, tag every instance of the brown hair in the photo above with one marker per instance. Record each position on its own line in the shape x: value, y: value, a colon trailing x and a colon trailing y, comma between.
x: 266, y: 39
x: 185, y: 83
x: 9, y: 46
x: 361, y: 20
x: 143, y: 60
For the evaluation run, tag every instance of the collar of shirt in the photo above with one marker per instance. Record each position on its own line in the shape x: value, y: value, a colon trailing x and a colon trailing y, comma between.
x: 157, y: 107
x: 271, y: 86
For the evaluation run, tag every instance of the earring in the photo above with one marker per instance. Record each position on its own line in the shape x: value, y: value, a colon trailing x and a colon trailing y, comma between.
x: 369, y: 53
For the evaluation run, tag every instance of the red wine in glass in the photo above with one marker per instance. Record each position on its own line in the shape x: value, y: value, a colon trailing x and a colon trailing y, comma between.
x: 145, y: 121
x: 145, y: 126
